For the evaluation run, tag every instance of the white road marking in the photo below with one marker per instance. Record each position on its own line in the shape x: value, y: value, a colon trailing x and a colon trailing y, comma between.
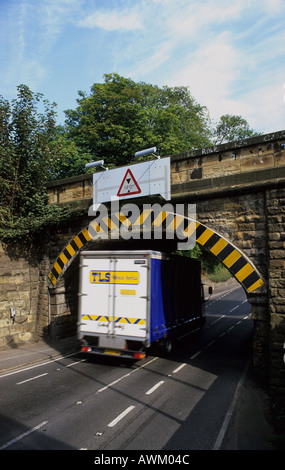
x: 121, y: 416
x: 77, y: 362
x: 228, y: 416
x: 218, y: 319
x: 17, y: 371
x: 179, y: 368
x: 195, y: 355
x: 126, y: 375
x: 151, y: 390
x: 21, y: 436
x: 32, y: 378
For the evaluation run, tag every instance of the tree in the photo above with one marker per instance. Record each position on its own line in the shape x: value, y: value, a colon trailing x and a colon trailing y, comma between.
x: 230, y: 128
x: 26, y: 153
x: 121, y: 116
x: 68, y: 159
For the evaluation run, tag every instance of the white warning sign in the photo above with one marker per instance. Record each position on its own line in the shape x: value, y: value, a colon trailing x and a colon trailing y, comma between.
x: 129, y: 185
x: 139, y: 180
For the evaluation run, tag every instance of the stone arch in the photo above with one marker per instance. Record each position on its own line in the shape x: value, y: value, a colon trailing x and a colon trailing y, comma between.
x: 233, y: 259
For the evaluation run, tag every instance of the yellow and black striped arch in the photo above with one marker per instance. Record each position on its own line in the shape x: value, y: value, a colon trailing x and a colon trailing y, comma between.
x: 234, y: 260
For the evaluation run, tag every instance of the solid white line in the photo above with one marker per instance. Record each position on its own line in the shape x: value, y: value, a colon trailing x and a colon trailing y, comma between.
x: 229, y: 414
x: 179, y: 368
x: 121, y: 416
x: 151, y: 390
x: 26, y: 354
x: 17, y: 371
x: 16, y: 439
x: 32, y: 378
x: 195, y: 355
x: 124, y: 376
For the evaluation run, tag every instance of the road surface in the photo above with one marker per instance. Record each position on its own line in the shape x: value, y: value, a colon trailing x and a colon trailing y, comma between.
x: 179, y: 402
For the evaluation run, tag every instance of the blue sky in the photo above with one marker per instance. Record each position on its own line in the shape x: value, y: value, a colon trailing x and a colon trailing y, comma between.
x: 231, y: 54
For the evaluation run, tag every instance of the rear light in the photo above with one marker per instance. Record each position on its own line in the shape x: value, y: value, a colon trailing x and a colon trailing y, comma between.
x: 85, y: 349
x: 139, y: 355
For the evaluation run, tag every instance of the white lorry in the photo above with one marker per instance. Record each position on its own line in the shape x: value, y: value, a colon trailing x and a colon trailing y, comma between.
x: 129, y: 300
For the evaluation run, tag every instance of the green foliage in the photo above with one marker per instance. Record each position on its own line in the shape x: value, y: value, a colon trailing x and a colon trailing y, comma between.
x: 26, y: 153
x: 210, y: 265
x: 231, y: 128
x: 121, y: 116
x: 68, y: 159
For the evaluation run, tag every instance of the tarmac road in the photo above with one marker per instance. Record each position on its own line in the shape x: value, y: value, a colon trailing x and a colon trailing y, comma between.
x: 194, y: 399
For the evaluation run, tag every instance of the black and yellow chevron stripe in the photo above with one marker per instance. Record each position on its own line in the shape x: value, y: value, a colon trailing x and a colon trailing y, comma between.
x: 234, y: 260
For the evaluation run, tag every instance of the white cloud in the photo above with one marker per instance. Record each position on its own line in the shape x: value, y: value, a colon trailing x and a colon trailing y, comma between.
x: 267, y: 106
x: 210, y: 74
x: 124, y: 20
x: 153, y: 61
x: 198, y: 17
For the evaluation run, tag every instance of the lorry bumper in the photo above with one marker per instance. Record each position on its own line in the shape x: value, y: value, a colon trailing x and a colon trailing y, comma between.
x: 113, y: 352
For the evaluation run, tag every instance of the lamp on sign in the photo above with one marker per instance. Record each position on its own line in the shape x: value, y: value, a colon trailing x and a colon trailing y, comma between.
x: 145, y: 152
x: 93, y: 164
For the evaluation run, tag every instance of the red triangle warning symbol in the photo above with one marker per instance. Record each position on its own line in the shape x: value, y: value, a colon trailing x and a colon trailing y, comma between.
x: 129, y: 185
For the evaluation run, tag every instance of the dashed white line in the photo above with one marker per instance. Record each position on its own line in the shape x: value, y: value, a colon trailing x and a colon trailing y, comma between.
x: 218, y: 319
x: 195, y: 355
x: 179, y: 368
x: 18, y: 438
x: 121, y: 416
x: 32, y: 378
x: 237, y: 306
x: 124, y: 376
x: 151, y: 390
x: 74, y: 363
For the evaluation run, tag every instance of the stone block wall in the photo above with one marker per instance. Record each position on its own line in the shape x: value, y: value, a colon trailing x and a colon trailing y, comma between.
x: 242, y: 220
x: 40, y: 312
x: 259, y: 153
x: 19, y: 288
x: 276, y: 271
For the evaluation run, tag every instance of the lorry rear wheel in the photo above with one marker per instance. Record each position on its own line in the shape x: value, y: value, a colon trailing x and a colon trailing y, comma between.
x: 167, y: 346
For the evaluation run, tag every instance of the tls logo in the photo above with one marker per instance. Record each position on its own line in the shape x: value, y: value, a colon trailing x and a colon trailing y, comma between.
x: 99, y: 276
x: 114, y: 277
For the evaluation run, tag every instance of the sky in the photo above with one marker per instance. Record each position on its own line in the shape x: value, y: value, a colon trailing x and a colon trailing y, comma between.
x: 230, y: 54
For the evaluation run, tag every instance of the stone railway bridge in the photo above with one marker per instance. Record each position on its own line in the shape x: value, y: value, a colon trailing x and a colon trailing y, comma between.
x: 239, y: 192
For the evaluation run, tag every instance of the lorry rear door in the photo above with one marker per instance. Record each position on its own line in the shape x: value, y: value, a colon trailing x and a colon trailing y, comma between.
x: 130, y: 297
x: 114, y: 299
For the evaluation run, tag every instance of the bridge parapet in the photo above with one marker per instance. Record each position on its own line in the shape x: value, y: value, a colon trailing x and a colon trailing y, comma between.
x: 248, y: 163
